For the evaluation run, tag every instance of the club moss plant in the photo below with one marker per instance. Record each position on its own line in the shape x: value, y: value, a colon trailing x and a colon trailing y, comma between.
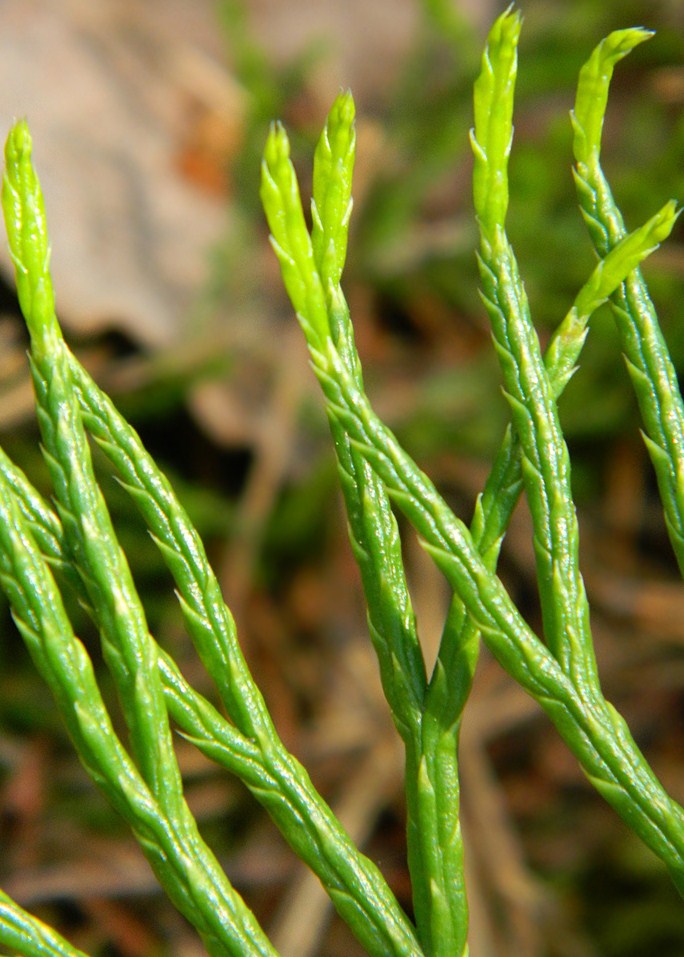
x: 70, y: 543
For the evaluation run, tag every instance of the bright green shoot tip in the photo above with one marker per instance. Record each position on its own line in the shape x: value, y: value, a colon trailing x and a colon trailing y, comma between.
x: 592, y: 89
x: 331, y: 205
x: 493, y: 131
x: 24, y: 211
x: 289, y: 234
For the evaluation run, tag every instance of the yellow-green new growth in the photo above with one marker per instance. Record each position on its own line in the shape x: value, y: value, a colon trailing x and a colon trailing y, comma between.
x: 331, y: 205
x: 566, y: 343
x: 592, y: 89
x: 493, y: 130
x: 289, y: 235
x: 24, y: 211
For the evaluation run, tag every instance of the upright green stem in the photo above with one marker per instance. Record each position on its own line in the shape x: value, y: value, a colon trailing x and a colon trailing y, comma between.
x: 89, y: 532
x: 354, y: 883
x: 184, y: 864
x: 435, y: 848
x: 434, y: 836
x: 545, y: 458
x: 648, y: 360
x: 494, y: 507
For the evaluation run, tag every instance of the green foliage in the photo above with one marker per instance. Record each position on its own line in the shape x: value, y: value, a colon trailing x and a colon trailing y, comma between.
x: 648, y: 361
x: 249, y: 745
x: 74, y: 545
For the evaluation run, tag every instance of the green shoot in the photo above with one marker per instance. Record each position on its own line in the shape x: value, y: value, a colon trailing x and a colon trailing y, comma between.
x: 72, y: 542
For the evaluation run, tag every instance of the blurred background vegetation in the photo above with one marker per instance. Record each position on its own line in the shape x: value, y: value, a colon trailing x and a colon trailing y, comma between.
x: 229, y: 408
